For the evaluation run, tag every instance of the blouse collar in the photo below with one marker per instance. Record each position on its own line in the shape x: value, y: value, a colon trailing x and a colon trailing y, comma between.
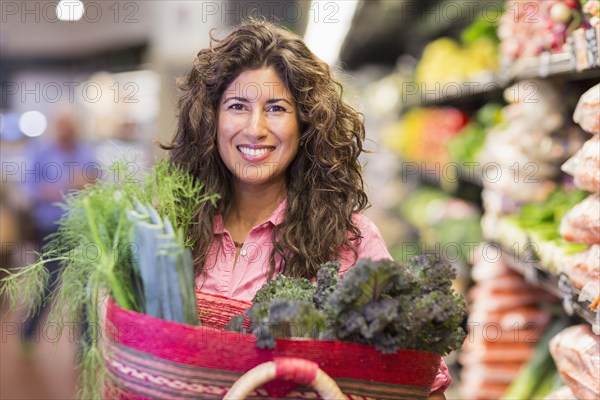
x: 276, y: 218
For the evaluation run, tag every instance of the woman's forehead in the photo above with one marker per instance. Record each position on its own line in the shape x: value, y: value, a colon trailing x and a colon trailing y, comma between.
x: 256, y: 85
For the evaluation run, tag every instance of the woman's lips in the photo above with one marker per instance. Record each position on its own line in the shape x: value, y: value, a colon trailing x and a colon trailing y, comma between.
x: 255, y: 153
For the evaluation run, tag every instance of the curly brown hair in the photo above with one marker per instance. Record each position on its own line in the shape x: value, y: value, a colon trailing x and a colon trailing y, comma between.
x: 324, y: 185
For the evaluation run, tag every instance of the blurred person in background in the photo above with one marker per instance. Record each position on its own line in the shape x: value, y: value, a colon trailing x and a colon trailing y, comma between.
x: 9, y: 230
x: 53, y: 168
x: 125, y: 145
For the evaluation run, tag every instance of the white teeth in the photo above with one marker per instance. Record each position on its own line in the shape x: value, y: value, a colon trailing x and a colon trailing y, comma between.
x: 253, y: 152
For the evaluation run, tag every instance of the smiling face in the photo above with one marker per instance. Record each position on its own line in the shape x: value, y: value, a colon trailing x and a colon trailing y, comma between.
x: 258, y: 130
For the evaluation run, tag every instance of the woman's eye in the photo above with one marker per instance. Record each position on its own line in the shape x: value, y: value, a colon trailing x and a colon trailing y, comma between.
x: 276, y: 108
x: 236, y: 106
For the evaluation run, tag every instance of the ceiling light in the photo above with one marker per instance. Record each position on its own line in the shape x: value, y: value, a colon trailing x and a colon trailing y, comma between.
x: 69, y: 10
x: 32, y: 123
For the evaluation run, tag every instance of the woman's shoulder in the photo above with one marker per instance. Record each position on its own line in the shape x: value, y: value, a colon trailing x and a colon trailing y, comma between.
x: 365, y: 224
x: 370, y: 244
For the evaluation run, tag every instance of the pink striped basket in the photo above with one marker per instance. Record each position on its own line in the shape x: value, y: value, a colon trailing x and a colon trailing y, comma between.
x: 146, y: 357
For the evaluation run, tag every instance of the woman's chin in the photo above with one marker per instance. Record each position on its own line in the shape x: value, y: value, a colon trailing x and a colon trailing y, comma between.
x: 257, y: 173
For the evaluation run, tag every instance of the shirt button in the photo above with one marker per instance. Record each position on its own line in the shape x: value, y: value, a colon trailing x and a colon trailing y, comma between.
x: 243, y: 252
x: 265, y: 225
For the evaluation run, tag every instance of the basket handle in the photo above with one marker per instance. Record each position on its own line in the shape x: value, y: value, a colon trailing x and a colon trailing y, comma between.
x: 299, y: 370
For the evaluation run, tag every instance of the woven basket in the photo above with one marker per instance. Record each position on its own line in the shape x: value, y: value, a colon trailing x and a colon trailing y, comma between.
x: 146, y: 357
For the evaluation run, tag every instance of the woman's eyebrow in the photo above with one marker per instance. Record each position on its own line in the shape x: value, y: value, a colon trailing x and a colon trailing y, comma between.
x: 242, y: 99
x: 245, y: 100
x: 271, y: 101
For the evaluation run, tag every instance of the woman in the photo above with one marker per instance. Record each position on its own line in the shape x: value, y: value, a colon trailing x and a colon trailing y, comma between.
x: 263, y: 123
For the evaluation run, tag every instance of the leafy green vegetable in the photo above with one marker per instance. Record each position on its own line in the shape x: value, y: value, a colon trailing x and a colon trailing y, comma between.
x: 394, y: 306
x: 283, y: 308
x: 465, y: 147
x: 283, y: 287
x: 551, y: 211
x: 327, y: 279
x: 385, y: 303
x: 485, y: 25
x: 286, y: 318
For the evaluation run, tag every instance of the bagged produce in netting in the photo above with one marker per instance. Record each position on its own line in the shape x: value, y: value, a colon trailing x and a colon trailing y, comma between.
x: 576, y: 352
x: 584, y: 271
x: 564, y: 393
x: 587, y: 113
x: 581, y: 224
x: 584, y: 166
x: 505, y: 323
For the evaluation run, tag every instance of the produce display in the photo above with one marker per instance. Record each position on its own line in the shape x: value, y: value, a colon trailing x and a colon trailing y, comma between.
x: 528, y: 28
x: 447, y: 226
x: 526, y: 207
x: 584, y: 166
x: 563, y: 393
x: 534, y: 230
x: 465, y: 147
x: 387, y: 304
x: 461, y: 62
x: 524, y: 153
x: 576, y: 351
x: 586, y: 112
x: 424, y: 133
x: 505, y: 323
x: 583, y: 270
x: 475, y: 55
x: 547, y: 222
x: 539, y: 376
x: 581, y: 223
x: 591, y: 11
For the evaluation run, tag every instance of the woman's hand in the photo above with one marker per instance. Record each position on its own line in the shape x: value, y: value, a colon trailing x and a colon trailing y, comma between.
x: 438, y: 395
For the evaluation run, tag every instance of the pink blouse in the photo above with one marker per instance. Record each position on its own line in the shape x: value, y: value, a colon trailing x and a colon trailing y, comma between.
x: 224, y: 277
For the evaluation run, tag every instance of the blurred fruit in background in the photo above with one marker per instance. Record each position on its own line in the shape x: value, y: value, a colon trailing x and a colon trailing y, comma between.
x: 446, y: 60
x: 529, y: 28
x: 465, y: 147
x: 423, y: 134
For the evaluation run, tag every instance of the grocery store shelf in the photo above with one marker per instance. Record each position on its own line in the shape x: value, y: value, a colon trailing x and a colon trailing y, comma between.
x: 478, y: 92
x: 488, y: 87
x: 548, y: 65
x: 482, y: 89
x: 557, y: 285
x: 451, y: 178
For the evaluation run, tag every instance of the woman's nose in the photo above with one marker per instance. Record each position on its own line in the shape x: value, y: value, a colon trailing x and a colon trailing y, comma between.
x: 257, y: 125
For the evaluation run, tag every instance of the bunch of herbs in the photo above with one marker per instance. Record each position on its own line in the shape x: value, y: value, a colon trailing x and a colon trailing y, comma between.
x: 95, y: 247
